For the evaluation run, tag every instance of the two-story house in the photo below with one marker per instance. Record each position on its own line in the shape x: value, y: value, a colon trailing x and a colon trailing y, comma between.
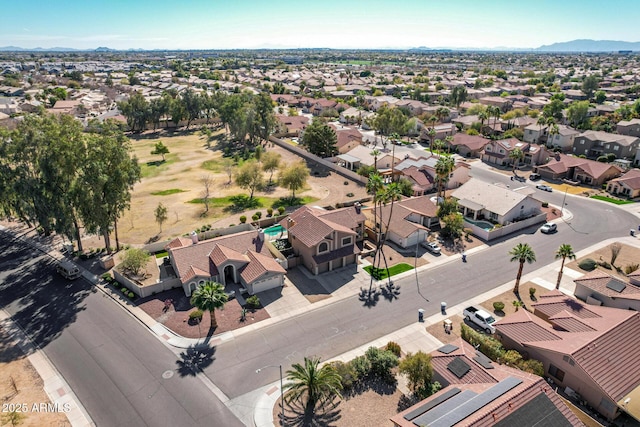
x: 587, y: 349
x: 323, y: 239
x: 629, y: 127
x: 597, y: 143
x: 422, y: 174
x: 563, y: 139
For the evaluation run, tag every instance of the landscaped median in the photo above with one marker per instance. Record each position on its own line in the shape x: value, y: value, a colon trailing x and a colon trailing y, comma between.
x: 612, y: 200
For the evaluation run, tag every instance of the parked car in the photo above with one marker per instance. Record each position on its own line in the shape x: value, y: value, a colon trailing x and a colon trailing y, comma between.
x: 534, y: 176
x: 480, y: 318
x: 432, y: 247
x: 549, y: 228
x: 544, y: 188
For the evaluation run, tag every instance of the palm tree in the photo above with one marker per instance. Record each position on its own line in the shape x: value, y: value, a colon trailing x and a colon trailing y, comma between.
x: 515, y: 155
x: 444, y: 166
x: 313, y: 383
x: 432, y: 134
x: 483, y: 116
x: 521, y: 253
x: 375, y: 153
x: 442, y: 112
x: 438, y: 144
x: 448, y: 140
x: 390, y: 194
x: 564, y: 251
x: 208, y: 297
x: 375, y: 187
x: 542, y: 121
x: 552, y: 132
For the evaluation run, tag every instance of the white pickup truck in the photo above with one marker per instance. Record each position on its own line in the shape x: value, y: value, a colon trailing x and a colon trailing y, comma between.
x: 480, y: 318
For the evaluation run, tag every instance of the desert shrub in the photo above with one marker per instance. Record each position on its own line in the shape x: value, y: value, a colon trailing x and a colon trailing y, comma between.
x: 259, y: 214
x: 511, y: 358
x: 348, y: 374
x: 532, y: 292
x: 243, y: 219
x: 362, y: 366
x: 131, y: 295
x: 489, y: 346
x: 394, y: 348
x: 498, y: 306
x: 346, y: 183
x: 587, y: 264
x: 631, y: 268
x: 349, y: 194
x: 517, y: 304
x: 196, y: 315
x: 253, y: 301
x: 604, y: 264
x: 269, y: 211
x: 124, y: 290
x: 255, y: 217
x: 281, y: 210
x: 532, y: 366
x: 545, y: 204
x: 382, y: 361
x: 106, y: 277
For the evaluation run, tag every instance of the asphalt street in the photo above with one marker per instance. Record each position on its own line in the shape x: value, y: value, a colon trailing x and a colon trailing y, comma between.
x: 122, y: 374
x: 336, y: 328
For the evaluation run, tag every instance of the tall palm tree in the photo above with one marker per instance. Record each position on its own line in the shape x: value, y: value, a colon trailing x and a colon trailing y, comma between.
x: 483, y: 116
x: 564, y: 251
x: 312, y: 383
x: 448, y: 140
x: 375, y: 153
x: 209, y: 297
x: 391, y: 194
x: 521, y: 253
x: 438, y: 144
x: 516, y: 155
x: 375, y: 187
x: 432, y: 135
x: 444, y: 166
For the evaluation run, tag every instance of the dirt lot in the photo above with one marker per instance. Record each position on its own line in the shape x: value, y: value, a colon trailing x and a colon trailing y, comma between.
x: 628, y: 255
x: 16, y: 369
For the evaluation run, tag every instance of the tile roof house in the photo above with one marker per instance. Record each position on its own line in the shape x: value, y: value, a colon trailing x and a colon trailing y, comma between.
x: 627, y: 185
x: 563, y: 139
x: 292, y: 125
x: 468, y: 145
x: 588, y: 349
x: 594, y: 143
x: 408, y: 223
x: 323, y: 239
x: 629, y: 127
x: 571, y: 168
x: 601, y: 288
x: 477, y: 392
x: 242, y: 258
x: 483, y: 203
x: 422, y: 174
x: 347, y: 138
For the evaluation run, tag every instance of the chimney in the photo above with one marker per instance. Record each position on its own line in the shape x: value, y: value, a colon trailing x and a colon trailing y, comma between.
x: 194, y: 237
x: 261, y: 235
x: 357, y: 206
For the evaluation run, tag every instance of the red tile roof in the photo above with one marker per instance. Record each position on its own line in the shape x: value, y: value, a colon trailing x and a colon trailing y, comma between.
x: 259, y: 266
x: 312, y: 225
x: 597, y: 281
x: 472, y: 142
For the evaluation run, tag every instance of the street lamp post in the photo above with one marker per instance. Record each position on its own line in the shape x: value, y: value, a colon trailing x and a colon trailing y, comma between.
x: 281, y: 387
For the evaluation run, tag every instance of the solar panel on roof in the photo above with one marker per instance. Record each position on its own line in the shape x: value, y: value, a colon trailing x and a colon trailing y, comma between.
x: 431, y: 404
x: 483, y: 360
x: 472, y: 405
x: 440, y: 410
x: 459, y: 367
x: 616, y: 285
x: 446, y: 349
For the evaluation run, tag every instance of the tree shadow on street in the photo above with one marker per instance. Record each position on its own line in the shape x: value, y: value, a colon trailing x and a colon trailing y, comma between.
x: 194, y: 360
x: 298, y: 415
x: 390, y: 291
x: 369, y: 297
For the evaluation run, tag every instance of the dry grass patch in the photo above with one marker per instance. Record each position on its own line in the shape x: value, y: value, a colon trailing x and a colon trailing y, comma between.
x: 507, y: 298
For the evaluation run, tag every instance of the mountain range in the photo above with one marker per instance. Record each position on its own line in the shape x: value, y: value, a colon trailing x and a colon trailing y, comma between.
x: 580, y: 45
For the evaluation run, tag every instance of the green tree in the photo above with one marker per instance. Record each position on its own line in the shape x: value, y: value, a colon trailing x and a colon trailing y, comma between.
x: 136, y: 110
x: 210, y: 296
x: 160, y: 149
x: 177, y: 111
x: 320, y: 139
x: 270, y: 163
x: 522, y: 253
x: 516, y: 155
x: 458, y: 95
x: 453, y: 225
x: 294, y: 177
x: 577, y: 114
x: 192, y: 103
x: 444, y: 167
x: 135, y: 260
x: 554, y: 109
x: 589, y: 85
x: 312, y: 384
x: 160, y: 214
x: 564, y: 251
x: 419, y: 372
x: 264, y: 120
x: 600, y: 96
x: 405, y: 186
x: 249, y: 177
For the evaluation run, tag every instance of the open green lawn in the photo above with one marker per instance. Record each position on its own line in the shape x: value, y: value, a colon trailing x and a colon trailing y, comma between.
x: 612, y: 200
x: 383, y: 273
x: 154, y: 168
x: 162, y: 254
x: 257, y: 202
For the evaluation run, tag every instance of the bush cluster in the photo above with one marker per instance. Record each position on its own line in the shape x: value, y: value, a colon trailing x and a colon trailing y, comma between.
x: 196, y: 315
x: 587, y: 264
x: 375, y: 364
x: 253, y: 301
x: 494, y: 350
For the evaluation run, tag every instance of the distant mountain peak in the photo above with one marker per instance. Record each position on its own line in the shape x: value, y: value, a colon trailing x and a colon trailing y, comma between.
x: 588, y: 45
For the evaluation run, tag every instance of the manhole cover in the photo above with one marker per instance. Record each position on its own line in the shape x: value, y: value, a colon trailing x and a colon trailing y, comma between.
x: 167, y: 374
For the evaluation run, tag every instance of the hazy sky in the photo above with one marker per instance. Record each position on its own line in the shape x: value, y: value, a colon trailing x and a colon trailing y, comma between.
x: 215, y: 24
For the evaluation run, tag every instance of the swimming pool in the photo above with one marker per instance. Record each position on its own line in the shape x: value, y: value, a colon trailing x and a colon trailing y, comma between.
x: 482, y: 224
x: 274, y: 230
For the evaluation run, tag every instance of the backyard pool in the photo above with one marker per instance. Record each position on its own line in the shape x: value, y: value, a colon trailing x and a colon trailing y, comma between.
x: 275, y: 230
x: 482, y: 224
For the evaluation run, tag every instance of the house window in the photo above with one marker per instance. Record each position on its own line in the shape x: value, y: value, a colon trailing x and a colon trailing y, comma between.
x: 323, y: 247
x: 615, y: 148
x: 346, y: 241
x: 568, y: 360
x: 556, y: 373
x: 582, y: 142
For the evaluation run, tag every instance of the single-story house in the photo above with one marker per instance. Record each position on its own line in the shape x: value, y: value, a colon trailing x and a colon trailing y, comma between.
x: 586, y: 171
x: 292, y: 125
x: 242, y: 258
x: 601, y: 288
x: 477, y: 392
x: 468, y: 145
x: 627, y: 185
x: 347, y: 138
x: 587, y: 350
